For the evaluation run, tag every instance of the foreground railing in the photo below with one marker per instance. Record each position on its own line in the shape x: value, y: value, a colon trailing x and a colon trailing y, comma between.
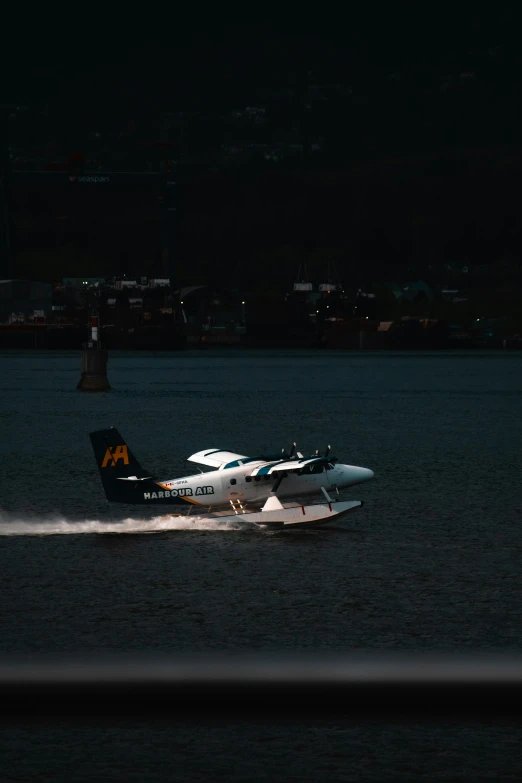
x: 262, y: 687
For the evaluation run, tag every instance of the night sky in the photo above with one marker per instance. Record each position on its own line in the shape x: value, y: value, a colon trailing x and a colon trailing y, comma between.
x: 421, y: 154
x: 177, y: 53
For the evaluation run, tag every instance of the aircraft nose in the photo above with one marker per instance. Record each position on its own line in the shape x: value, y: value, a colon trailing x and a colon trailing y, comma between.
x: 355, y: 475
x: 365, y: 474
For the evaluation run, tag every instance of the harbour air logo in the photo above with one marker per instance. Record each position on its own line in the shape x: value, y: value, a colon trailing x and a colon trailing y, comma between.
x: 113, y: 454
x: 204, y: 490
x: 182, y: 492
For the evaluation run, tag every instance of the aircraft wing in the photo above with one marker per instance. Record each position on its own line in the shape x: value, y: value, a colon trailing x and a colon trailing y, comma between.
x: 272, y: 468
x: 217, y: 458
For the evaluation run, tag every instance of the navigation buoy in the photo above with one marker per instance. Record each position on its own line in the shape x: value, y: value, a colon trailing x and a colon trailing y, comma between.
x: 94, y: 362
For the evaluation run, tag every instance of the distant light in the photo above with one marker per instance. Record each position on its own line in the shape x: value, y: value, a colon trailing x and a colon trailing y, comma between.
x: 242, y: 303
x: 366, y: 317
x: 181, y: 302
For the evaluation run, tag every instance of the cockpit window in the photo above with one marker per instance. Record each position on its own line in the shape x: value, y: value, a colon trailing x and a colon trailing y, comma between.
x: 317, y: 467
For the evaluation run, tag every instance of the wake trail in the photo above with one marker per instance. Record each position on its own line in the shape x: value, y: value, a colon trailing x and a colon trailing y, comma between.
x: 18, y: 527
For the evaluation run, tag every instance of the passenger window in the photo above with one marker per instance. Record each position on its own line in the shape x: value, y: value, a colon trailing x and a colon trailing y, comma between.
x: 248, y: 478
x: 233, y: 481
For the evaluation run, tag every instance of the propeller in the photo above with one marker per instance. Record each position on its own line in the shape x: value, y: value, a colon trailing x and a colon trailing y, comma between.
x: 291, y: 454
x: 326, y: 453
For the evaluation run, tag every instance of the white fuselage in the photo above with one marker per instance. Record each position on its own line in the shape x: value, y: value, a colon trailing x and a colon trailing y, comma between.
x: 220, y: 487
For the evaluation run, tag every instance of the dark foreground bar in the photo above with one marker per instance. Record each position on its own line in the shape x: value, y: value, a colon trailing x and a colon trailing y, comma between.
x: 236, y: 688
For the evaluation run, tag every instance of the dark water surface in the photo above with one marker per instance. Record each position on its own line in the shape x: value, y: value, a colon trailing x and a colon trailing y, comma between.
x: 432, y: 561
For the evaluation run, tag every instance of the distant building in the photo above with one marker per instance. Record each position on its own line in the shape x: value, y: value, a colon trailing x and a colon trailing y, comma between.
x: 141, y: 282
x: 25, y: 298
x: 453, y: 295
x: 80, y: 282
x: 392, y: 288
x: 411, y: 291
x: 414, y: 291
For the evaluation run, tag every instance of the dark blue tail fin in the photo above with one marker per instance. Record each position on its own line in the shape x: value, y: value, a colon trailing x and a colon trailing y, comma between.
x: 123, y: 478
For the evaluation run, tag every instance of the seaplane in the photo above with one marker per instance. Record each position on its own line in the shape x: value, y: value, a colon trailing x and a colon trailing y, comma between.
x: 258, y: 488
